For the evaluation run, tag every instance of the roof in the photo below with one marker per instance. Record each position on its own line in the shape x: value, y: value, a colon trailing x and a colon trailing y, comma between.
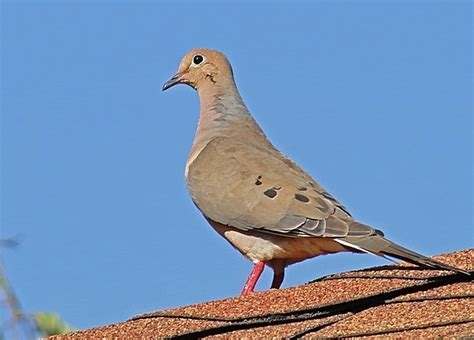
x: 398, y: 301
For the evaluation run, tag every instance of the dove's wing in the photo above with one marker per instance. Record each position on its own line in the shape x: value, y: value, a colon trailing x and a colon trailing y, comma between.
x: 251, y: 188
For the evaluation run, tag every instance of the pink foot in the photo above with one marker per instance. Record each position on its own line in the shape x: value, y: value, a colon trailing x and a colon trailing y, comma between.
x: 253, y: 278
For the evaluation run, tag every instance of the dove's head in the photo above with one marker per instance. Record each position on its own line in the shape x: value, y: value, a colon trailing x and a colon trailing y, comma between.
x: 202, y: 68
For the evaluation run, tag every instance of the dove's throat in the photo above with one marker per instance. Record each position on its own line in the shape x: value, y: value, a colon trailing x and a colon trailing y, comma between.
x: 224, y: 114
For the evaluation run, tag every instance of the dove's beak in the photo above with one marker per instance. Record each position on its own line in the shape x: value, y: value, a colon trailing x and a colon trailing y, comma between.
x: 176, y: 79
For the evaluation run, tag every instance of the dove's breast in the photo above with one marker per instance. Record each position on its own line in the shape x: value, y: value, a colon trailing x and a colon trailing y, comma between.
x: 212, y: 173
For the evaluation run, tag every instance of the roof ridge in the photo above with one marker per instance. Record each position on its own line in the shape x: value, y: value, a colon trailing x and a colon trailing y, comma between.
x: 351, y: 307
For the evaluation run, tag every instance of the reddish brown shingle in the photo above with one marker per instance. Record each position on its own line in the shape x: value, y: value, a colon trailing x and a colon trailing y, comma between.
x: 391, y: 301
x: 144, y: 327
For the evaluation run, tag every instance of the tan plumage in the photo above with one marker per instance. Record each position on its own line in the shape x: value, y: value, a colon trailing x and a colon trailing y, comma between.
x: 266, y: 206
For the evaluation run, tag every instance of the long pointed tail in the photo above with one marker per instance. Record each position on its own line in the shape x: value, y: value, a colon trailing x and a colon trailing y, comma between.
x: 378, y: 245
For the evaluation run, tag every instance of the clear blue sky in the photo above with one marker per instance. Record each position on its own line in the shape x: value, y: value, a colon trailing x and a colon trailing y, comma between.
x: 374, y: 99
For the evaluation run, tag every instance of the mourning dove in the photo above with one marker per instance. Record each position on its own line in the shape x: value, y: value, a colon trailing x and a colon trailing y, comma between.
x: 265, y: 205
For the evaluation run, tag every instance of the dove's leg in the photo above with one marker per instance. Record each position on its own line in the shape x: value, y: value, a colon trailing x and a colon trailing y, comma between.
x: 278, y: 267
x: 277, y: 279
x: 253, y: 278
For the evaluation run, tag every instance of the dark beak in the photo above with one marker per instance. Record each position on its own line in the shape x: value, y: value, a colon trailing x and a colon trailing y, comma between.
x: 176, y: 79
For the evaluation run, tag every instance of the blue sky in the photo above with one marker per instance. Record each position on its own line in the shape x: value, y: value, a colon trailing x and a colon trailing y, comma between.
x: 374, y: 99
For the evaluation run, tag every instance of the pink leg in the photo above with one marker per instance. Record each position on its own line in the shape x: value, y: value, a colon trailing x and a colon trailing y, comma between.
x: 253, y: 278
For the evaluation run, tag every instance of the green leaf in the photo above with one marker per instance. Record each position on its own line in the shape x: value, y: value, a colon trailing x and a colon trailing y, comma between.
x: 48, y: 324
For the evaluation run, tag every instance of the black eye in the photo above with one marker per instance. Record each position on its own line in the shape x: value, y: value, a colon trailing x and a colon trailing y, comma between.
x: 197, y: 59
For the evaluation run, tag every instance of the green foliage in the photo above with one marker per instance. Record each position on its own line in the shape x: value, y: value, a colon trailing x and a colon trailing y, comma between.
x: 48, y: 324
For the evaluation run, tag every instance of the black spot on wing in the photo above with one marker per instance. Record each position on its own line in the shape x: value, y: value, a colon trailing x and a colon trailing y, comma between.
x: 270, y: 193
x: 302, y: 198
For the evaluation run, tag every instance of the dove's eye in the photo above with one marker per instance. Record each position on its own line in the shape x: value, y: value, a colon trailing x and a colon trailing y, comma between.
x: 197, y: 59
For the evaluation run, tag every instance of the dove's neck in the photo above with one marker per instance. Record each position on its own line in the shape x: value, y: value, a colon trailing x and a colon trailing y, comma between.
x: 224, y: 114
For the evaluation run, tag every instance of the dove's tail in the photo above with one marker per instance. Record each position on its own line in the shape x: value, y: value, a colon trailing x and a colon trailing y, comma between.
x: 378, y: 245
x: 407, y: 255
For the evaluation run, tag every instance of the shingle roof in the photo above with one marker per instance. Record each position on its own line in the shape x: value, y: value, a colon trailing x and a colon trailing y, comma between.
x: 397, y: 301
